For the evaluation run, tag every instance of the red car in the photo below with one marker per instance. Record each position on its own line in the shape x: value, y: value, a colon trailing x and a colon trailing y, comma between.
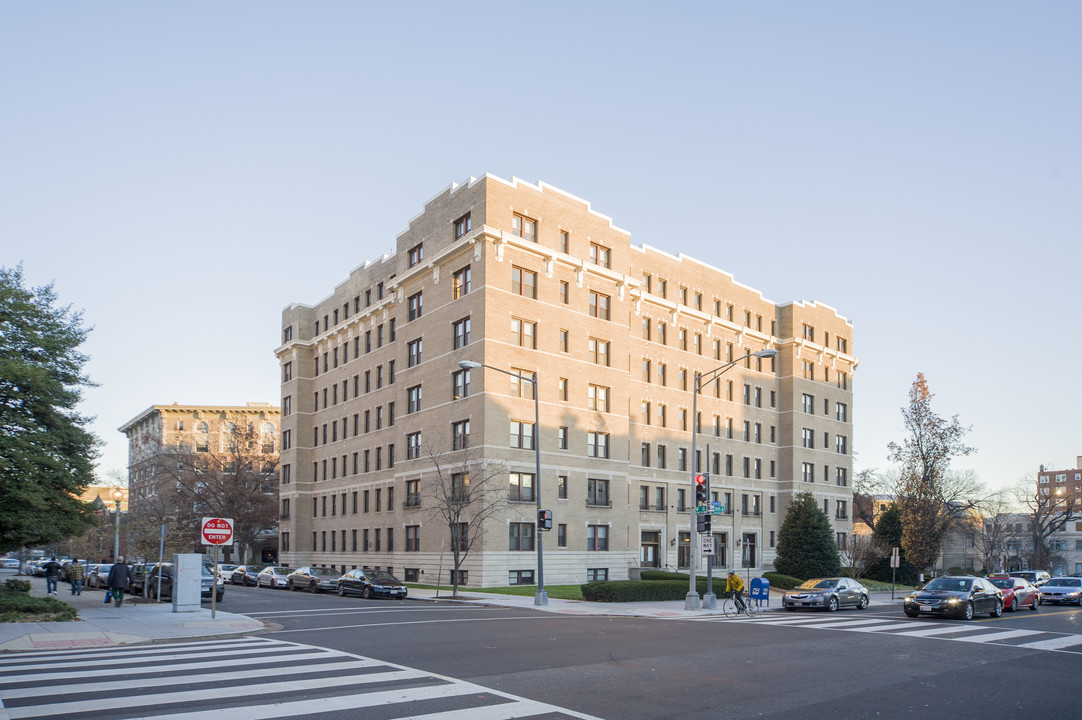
x: 1017, y: 593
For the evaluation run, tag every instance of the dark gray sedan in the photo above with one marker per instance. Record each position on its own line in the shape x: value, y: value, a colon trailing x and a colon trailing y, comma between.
x: 371, y: 583
x: 827, y: 594
x: 960, y: 596
x: 313, y: 579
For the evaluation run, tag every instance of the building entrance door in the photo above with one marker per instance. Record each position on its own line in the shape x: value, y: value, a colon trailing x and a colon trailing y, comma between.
x: 648, y: 551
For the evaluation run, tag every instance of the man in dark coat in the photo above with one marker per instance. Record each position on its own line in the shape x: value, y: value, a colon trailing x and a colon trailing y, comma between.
x: 119, y: 580
x: 52, y: 573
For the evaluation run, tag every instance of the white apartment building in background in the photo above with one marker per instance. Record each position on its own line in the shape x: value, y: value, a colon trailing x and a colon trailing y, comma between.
x: 526, y: 278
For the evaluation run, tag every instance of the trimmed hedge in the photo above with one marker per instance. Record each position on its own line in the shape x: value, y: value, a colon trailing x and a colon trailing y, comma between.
x: 16, y: 605
x: 782, y: 582
x: 647, y: 590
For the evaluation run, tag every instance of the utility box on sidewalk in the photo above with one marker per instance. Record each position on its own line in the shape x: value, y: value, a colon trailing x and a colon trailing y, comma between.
x: 187, y: 581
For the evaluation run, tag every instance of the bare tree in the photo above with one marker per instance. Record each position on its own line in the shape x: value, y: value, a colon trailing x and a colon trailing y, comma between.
x: 466, y: 492
x: 1047, y: 515
x: 867, y: 485
x: 239, y: 483
x: 930, y: 500
x: 860, y: 553
x: 991, y: 540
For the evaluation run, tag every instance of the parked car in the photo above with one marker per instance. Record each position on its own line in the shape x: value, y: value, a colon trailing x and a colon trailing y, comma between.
x: 97, y: 576
x: 826, y: 593
x: 313, y: 579
x: 225, y: 571
x: 955, y: 595
x: 138, y: 578
x: 1017, y: 593
x: 11, y: 563
x: 1066, y: 590
x: 371, y: 583
x: 245, y: 574
x: 273, y: 576
x: 165, y: 572
x: 1037, y: 577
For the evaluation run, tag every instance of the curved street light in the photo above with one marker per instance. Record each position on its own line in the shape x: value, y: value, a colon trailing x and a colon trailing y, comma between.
x: 540, y: 596
x: 692, y: 601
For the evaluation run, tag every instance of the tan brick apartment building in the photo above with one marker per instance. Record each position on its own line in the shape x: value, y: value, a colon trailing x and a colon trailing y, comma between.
x: 527, y: 278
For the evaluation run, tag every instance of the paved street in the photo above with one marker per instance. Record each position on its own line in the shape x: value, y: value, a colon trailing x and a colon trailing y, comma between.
x: 388, y: 659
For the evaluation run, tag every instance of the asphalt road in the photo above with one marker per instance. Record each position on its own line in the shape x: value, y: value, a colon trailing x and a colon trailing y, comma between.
x: 851, y: 664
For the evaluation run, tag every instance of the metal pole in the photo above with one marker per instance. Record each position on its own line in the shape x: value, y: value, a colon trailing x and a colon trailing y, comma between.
x: 710, y: 600
x: 116, y: 536
x: 540, y: 597
x: 692, y: 601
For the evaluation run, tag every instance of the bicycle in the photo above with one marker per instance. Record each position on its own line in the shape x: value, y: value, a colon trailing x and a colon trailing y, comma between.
x: 748, y: 607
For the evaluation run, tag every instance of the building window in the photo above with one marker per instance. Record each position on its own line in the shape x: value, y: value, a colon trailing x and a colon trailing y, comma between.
x: 561, y: 389
x: 597, y: 492
x: 841, y: 444
x: 808, y: 472
x: 599, y: 305
x: 462, y: 226
x: 661, y: 456
x: 807, y: 404
x: 565, y: 241
x: 520, y: 577
x: 413, y: 496
x: 809, y: 370
x: 561, y: 487
x: 524, y: 227
x: 460, y: 283
x: 413, y: 538
x: 522, y: 383
x: 460, y: 435
x: 520, y: 536
x: 287, y: 372
x: 524, y: 282
x: 460, y: 384
x: 600, y: 255
x: 561, y: 535
x: 416, y: 254
x: 561, y: 437
x: 413, y: 446
x: 461, y: 329
x: 413, y: 307
x: 842, y: 476
x: 565, y: 292
x: 597, y: 398
x: 413, y: 352
x: 521, y: 486
x: 807, y: 438
x: 413, y: 399
x: 599, y: 351
x: 841, y: 511
x: 597, y: 445
x: 524, y: 333
x: 522, y: 435
x: 460, y: 487
x: 841, y: 412
x: 597, y: 537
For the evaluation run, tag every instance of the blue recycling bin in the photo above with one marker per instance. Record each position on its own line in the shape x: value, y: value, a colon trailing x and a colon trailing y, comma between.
x: 760, y: 591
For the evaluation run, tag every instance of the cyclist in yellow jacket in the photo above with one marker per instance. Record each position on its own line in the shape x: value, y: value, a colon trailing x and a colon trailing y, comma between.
x: 735, y: 585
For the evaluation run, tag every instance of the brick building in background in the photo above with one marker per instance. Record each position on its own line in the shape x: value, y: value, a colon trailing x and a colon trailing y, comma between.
x: 526, y: 278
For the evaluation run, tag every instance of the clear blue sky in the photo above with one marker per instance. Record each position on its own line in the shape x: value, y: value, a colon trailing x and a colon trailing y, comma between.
x: 183, y: 171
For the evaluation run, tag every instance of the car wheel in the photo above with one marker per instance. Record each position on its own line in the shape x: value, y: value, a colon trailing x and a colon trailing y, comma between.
x: 832, y: 604
x: 1033, y: 607
x: 367, y: 593
x: 312, y: 587
x: 341, y: 591
x: 863, y: 602
x: 291, y: 587
x: 997, y: 611
x: 911, y: 613
x: 967, y: 611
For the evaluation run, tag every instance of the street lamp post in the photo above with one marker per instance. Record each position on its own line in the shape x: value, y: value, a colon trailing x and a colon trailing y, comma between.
x: 540, y: 596
x: 692, y: 601
x: 118, y: 495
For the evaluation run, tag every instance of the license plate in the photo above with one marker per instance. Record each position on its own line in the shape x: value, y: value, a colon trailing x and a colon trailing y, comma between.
x: 926, y: 608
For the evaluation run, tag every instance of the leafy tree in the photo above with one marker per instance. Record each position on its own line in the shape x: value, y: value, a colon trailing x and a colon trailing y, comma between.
x: 46, y: 452
x: 464, y: 493
x: 806, y: 546
x: 888, y: 535
x: 931, y: 501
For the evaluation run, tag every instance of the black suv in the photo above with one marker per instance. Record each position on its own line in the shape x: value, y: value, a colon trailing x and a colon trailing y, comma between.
x: 165, y: 570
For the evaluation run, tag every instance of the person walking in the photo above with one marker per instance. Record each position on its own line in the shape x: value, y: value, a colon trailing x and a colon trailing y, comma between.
x: 75, y: 574
x: 119, y: 580
x: 52, y: 573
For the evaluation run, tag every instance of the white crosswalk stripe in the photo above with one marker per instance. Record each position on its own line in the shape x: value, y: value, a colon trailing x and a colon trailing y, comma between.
x: 243, y: 679
x: 960, y: 632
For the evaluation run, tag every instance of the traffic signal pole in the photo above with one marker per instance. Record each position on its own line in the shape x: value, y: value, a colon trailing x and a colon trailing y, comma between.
x: 692, y: 600
x: 710, y: 600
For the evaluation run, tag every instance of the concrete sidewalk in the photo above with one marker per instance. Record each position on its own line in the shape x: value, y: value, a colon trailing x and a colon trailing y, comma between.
x: 139, y: 620
x: 100, y: 625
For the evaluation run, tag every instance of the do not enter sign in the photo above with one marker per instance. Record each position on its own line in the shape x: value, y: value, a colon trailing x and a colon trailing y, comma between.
x: 217, y: 531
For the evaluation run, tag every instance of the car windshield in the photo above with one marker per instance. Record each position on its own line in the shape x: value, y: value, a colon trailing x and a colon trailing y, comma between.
x: 1066, y: 582
x: 817, y: 583
x: 381, y: 576
x: 280, y: 571
x: 1006, y: 583
x: 254, y: 568
x: 944, y: 583
x: 325, y: 572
